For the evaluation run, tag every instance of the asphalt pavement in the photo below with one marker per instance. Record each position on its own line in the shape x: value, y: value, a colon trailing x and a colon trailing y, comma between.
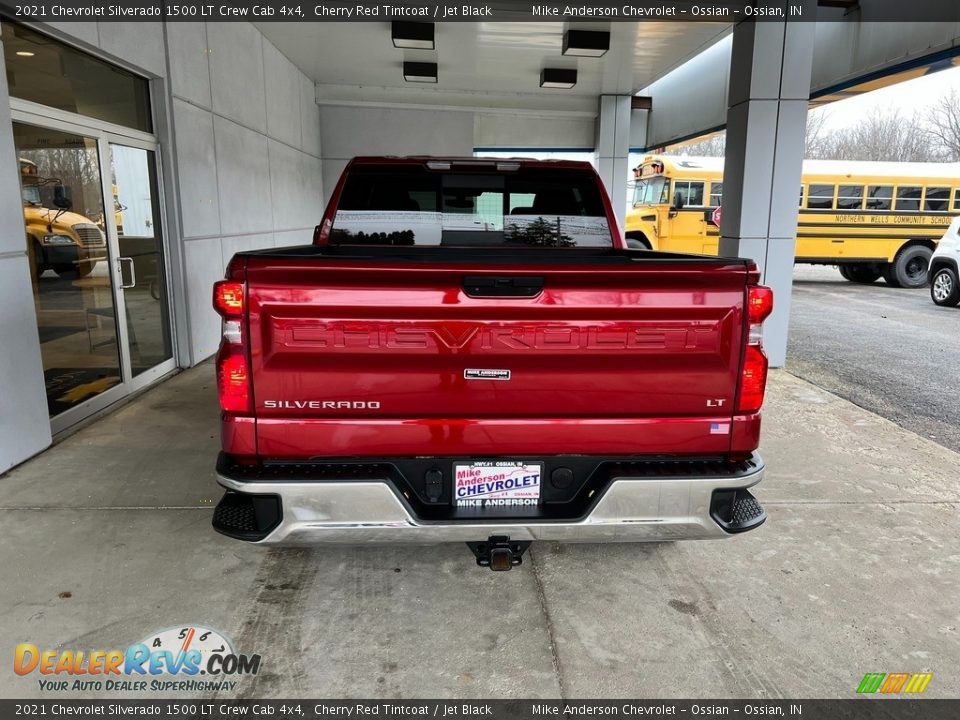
x: 891, y: 351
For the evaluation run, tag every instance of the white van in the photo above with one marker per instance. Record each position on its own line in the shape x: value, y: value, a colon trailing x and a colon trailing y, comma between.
x: 944, y: 264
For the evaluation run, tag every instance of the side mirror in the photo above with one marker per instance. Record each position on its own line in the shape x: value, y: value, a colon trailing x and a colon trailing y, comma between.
x: 678, y: 201
x: 62, y: 197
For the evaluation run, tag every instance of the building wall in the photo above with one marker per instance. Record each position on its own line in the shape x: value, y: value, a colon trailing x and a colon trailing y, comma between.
x: 24, y: 424
x: 347, y: 131
x: 243, y: 129
x: 246, y: 134
x: 239, y: 132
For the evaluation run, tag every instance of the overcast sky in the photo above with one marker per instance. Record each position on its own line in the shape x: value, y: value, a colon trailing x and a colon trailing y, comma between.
x: 906, y: 96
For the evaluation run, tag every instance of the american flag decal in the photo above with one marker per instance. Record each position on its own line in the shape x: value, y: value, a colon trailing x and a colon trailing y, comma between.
x: 719, y: 428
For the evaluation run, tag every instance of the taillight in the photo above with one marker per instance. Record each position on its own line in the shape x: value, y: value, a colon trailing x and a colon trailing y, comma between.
x: 753, y: 381
x: 753, y: 377
x: 233, y: 370
x: 759, y: 303
x: 228, y: 298
x: 233, y: 379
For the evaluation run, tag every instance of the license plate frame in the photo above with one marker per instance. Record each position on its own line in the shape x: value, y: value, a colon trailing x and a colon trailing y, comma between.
x: 521, y: 483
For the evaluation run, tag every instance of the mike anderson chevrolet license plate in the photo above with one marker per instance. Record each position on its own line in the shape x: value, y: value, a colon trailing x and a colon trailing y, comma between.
x: 496, y: 483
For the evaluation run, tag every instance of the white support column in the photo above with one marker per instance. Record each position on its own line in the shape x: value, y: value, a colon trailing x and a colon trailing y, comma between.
x: 766, y: 131
x: 613, y: 149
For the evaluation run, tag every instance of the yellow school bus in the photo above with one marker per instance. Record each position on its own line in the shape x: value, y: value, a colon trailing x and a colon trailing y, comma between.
x: 870, y: 219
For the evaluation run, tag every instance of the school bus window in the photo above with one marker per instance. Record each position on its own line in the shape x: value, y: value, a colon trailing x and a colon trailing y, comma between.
x: 801, y: 196
x: 690, y: 193
x: 850, y: 197
x: 937, y: 199
x: 908, y: 197
x: 820, y: 196
x: 716, y: 194
x: 956, y: 198
x: 879, y: 197
x: 651, y: 191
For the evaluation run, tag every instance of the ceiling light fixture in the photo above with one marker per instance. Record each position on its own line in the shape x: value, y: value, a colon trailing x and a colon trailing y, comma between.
x: 422, y: 72
x: 558, y: 78
x: 25, y: 53
x: 586, y: 43
x: 416, y: 35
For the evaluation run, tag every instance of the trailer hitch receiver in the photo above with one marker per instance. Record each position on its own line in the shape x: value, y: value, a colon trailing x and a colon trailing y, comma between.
x: 499, y: 552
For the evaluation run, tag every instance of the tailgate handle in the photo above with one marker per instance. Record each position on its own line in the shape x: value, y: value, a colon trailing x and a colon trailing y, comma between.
x: 502, y: 286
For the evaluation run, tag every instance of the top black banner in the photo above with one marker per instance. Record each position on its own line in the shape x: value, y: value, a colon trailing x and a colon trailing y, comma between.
x: 600, y: 11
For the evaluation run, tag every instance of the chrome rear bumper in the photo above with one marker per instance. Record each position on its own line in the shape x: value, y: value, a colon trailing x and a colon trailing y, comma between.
x: 371, y: 512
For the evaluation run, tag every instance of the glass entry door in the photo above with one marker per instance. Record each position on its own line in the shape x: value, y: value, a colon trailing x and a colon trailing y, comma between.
x: 136, y: 222
x: 91, y: 214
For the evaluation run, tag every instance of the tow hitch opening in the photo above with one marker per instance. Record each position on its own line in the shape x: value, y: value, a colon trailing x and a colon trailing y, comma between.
x: 499, y: 552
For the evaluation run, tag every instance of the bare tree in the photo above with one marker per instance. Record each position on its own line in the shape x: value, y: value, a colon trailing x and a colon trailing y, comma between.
x: 943, y: 124
x: 818, y: 137
x: 711, y: 146
x: 715, y: 145
x: 882, y: 135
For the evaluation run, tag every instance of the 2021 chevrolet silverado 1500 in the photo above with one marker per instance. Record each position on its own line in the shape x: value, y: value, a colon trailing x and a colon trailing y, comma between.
x: 469, y: 352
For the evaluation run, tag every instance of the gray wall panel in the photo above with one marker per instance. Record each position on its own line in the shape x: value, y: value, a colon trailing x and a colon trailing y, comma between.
x: 189, y: 57
x: 196, y: 162
x: 243, y: 178
x: 136, y: 43
x: 282, y: 96
x: 236, y: 73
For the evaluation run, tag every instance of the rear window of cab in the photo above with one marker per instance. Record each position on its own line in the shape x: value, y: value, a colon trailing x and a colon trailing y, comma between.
x: 416, y: 206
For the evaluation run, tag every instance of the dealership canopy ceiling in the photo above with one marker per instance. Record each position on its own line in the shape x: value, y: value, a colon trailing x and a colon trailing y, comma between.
x: 486, y: 65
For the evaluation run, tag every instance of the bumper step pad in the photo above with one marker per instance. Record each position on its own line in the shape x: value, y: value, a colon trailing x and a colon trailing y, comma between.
x: 246, y: 517
x: 737, y: 510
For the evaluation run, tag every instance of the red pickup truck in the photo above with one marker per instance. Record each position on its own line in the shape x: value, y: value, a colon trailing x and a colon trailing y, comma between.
x: 470, y: 352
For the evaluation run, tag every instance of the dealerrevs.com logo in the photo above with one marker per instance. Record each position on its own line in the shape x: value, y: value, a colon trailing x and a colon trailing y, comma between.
x: 186, y: 658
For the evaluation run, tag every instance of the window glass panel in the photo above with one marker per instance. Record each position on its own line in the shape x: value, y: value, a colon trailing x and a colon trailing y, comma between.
x: 42, y: 70
x: 850, y: 197
x: 879, y: 197
x: 64, y: 220
x: 689, y: 192
x: 956, y: 198
x: 820, y: 196
x: 716, y: 194
x: 937, y: 199
x: 533, y: 208
x: 801, y: 196
x: 651, y: 191
x: 908, y: 197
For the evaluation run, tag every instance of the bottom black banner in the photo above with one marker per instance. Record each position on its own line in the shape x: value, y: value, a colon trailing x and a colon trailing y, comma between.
x: 864, y: 708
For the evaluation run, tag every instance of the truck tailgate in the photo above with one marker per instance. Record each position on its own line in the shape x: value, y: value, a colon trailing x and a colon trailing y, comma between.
x: 355, y: 357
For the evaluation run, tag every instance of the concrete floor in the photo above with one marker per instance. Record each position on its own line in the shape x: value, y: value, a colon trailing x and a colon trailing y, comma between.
x: 108, y: 538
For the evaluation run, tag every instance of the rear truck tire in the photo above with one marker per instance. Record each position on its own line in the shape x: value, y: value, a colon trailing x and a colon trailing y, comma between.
x: 863, y: 273
x: 945, y: 287
x: 909, y: 267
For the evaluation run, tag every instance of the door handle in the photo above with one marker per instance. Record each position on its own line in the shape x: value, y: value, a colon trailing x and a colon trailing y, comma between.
x: 502, y: 286
x: 133, y: 273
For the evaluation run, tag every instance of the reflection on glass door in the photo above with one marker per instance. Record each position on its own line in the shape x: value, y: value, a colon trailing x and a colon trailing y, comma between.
x: 136, y: 217
x: 63, y: 214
